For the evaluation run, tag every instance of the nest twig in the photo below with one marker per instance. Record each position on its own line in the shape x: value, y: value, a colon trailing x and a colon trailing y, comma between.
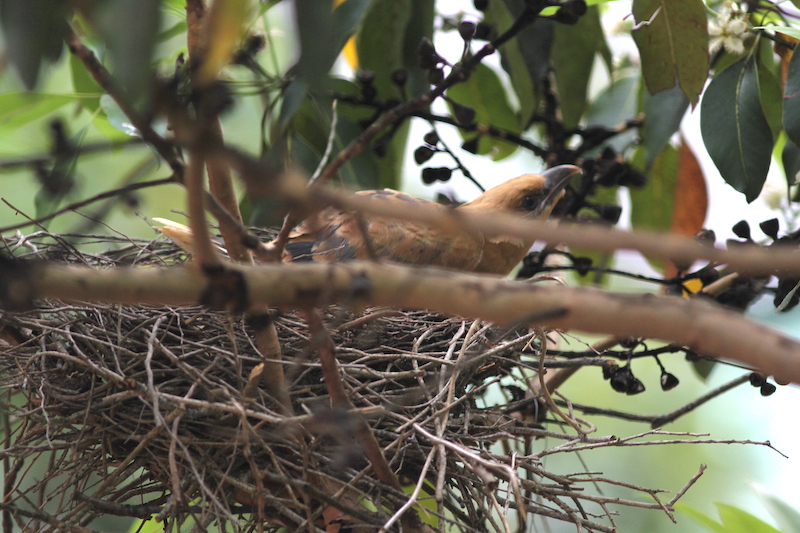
x: 154, y: 411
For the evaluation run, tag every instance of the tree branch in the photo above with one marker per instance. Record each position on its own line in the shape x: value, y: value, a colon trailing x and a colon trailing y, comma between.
x: 700, y: 325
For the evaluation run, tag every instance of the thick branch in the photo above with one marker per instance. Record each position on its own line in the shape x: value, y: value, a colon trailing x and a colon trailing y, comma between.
x: 697, y: 324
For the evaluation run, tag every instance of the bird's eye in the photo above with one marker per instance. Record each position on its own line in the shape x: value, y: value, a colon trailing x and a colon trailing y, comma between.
x: 531, y: 201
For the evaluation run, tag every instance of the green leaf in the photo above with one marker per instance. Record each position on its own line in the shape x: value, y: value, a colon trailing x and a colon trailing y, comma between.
x: 769, y: 90
x: 787, y: 30
x: 18, y: 109
x: 484, y: 93
x: 737, y: 520
x: 791, y: 100
x: 701, y: 518
x: 129, y: 29
x: 786, y: 516
x: 573, y: 53
x: 380, y: 43
x: 790, y: 158
x: 521, y: 61
x: 120, y: 121
x: 672, y: 38
x: 736, y: 134
x: 346, y: 18
x: 652, y: 206
x: 615, y: 105
x: 663, y: 113
x: 387, y: 40
x: 176, y: 29
x: 34, y: 31
x: 85, y: 85
x: 420, y: 25
x: 323, y: 33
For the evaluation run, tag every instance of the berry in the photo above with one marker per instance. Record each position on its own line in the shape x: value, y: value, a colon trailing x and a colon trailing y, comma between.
x: 668, y: 381
x: 742, y: 230
x: 431, y: 138
x: 400, y: 77
x: 770, y: 227
x: 422, y: 154
x: 466, y: 29
x: 471, y: 145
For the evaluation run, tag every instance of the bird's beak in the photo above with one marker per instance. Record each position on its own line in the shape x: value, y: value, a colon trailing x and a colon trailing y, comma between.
x: 555, y: 179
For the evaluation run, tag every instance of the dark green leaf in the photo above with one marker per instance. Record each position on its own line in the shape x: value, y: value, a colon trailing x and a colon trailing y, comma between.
x: 420, y: 25
x: 380, y: 43
x: 346, y: 18
x: 663, y: 113
x: 791, y: 100
x: 615, y: 105
x: 672, y: 38
x: 129, y: 29
x: 703, y: 368
x: 526, y: 58
x: 790, y: 157
x: 386, y: 41
x: 34, y: 30
x: 484, y: 93
x: 573, y: 53
x: 736, y: 134
x: 323, y: 33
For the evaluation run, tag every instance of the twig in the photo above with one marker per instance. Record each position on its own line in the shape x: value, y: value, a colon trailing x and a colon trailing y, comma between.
x: 340, y: 400
x: 103, y: 78
x: 688, y: 485
x: 81, y: 150
x: 329, y: 145
x: 96, y: 198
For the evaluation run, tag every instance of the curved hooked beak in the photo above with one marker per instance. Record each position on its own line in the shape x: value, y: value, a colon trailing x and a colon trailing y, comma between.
x: 556, y: 179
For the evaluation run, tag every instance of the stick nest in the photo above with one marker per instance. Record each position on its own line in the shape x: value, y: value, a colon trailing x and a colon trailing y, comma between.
x: 154, y: 412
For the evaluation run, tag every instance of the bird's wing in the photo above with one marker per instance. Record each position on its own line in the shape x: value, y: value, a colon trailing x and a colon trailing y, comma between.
x: 347, y: 236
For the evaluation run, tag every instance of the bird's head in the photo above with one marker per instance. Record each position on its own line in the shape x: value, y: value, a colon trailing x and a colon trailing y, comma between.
x: 530, y: 195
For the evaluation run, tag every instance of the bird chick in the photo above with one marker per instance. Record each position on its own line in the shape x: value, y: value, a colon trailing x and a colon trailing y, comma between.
x: 334, y: 235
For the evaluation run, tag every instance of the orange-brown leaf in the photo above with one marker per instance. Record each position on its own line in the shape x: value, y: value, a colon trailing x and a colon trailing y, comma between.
x: 691, y: 203
x: 691, y: 195
x: 785, y: 54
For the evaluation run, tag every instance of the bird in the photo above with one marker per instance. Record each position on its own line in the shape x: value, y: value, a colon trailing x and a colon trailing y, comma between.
x: 334, y: 235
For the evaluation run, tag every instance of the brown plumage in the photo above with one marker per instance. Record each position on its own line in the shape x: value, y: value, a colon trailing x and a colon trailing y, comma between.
x: 333, y: 235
